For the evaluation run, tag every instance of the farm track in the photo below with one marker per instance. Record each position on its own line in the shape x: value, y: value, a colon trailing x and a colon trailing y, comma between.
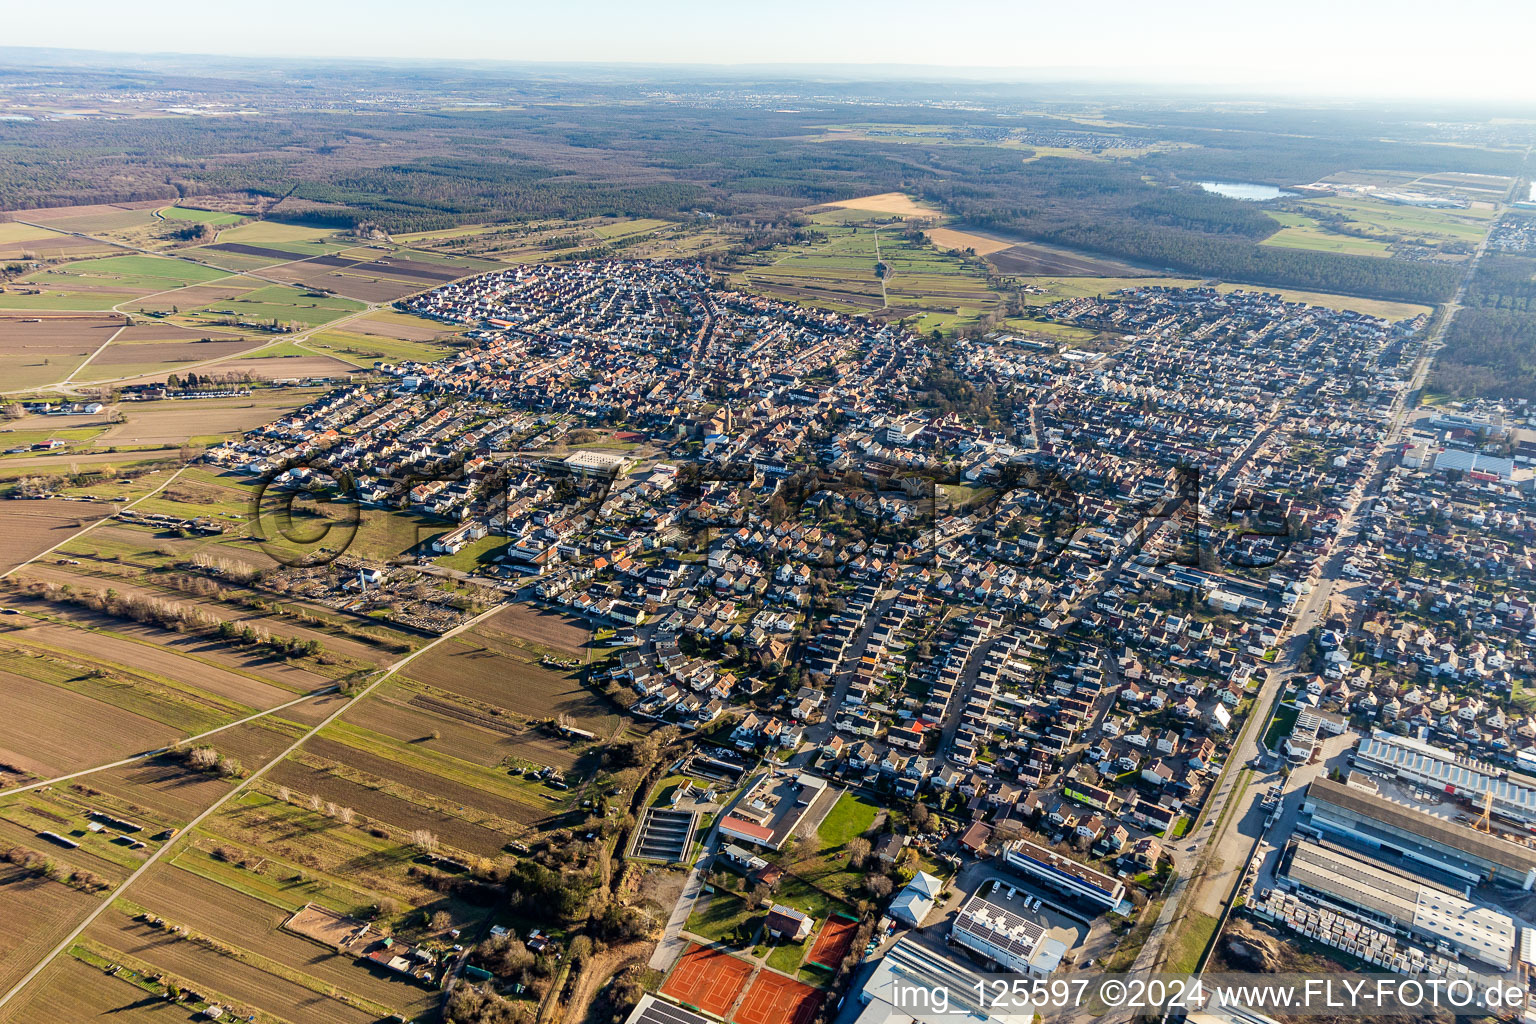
x: 91, y: 526
x: 297, y: 338
x: 207, y: 813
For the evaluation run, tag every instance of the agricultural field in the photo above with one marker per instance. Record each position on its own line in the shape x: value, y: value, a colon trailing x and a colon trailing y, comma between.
x: 28, y: 528
x: 276, y: 302
x: 39, y: 912
x: 950, y: 239
x: 373, y: 274
x: 18, y: 240
x: 43, y: 349
x: 198, y: 665
x: 227, y: 979
x: 218, y: 218
x: 178, y: 422
x: 345, y: 868
x: 76, y: 987
x: 928, y: 288
x: 896, y: 203
x: 288, y: 362
x: 297, y: 239
x: 146, y: 349
x: 97, y: 219
x: 363, y: 343
x: 53, y: 719
x: 104, y: 283
x: 1031, y: 259
x: 498, y: 664
x: 541, y: 240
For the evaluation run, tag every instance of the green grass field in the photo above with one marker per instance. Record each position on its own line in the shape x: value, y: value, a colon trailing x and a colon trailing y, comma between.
x: 365, y: 349
x: 275, y: 302
x: 65, y: 300
x: 1408, y: 222
x: 475, y: 555
x: 1303, y: 232
x: 270, y: 232
x: 139, y: 274
x: 103, y: 283
x: 852, y: 815
x: 218, y: 218
x: 625, y: 228
x: 725, y: 919
x: 928, y: 288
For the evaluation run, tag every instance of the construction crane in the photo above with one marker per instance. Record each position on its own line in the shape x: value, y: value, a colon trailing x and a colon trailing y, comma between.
x: 1482, y: 824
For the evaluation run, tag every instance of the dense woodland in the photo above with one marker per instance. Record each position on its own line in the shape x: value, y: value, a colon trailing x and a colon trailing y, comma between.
x: 1490, y: 349
x: 565, y: 147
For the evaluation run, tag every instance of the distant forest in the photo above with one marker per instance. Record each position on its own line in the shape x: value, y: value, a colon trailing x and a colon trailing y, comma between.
x: 568, y: 150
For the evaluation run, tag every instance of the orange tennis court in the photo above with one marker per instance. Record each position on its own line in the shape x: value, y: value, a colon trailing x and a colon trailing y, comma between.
x: 833, y: 942
x: 775, y: 999
x: 708, y: 979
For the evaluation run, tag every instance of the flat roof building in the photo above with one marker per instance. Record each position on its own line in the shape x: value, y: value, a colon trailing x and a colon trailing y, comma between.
x: 1447, y: 845
x: 1514, y: 795
x: 992, y: 924
x: 596, y: 463
x: 1432, y: 914
x: 650, y: 1010
x: 1064, y: 874
x: 914, y: 983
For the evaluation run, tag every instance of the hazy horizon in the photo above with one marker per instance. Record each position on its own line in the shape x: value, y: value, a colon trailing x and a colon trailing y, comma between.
x: 1313, y: 48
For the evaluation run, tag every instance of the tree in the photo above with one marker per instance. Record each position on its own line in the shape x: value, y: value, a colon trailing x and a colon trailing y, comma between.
x: 877, y: 886
x: 858, y: 851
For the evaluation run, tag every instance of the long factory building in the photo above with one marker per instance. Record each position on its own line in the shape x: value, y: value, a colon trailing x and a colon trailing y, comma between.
x: 1459, y: 850
x: 1427, y: 912
x: 1514, y: 795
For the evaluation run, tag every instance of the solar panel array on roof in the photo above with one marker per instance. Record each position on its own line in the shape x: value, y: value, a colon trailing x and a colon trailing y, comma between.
x: 997, y: 931
x: 651, y: 1010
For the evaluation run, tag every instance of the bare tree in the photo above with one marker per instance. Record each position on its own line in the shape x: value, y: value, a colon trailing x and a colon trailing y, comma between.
x: 858, y: 851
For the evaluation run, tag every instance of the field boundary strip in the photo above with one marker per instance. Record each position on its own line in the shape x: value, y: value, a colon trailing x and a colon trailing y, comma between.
x: 91, y: 526
x: 213, y: 808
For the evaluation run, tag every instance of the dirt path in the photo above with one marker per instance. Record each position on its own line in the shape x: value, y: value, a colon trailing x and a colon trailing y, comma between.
x: 234, y: 791
x: 597, y: 972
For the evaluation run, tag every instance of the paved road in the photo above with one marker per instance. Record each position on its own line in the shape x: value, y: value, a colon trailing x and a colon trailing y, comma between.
x: 1222, y: 858
x: 672, y: 942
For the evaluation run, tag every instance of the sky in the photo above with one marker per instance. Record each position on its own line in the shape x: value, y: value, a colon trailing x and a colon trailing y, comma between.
x: 1405, y: 48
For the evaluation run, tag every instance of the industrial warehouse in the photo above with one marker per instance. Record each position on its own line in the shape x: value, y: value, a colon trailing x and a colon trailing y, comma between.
x: 1513, y: 795
x: 1459, y: 850
x: 1429, y: 913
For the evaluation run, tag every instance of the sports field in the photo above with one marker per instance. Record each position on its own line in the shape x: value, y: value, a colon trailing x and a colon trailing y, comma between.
x: 833, y: 943
x: 710, y: 980
x: 775, y: 999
